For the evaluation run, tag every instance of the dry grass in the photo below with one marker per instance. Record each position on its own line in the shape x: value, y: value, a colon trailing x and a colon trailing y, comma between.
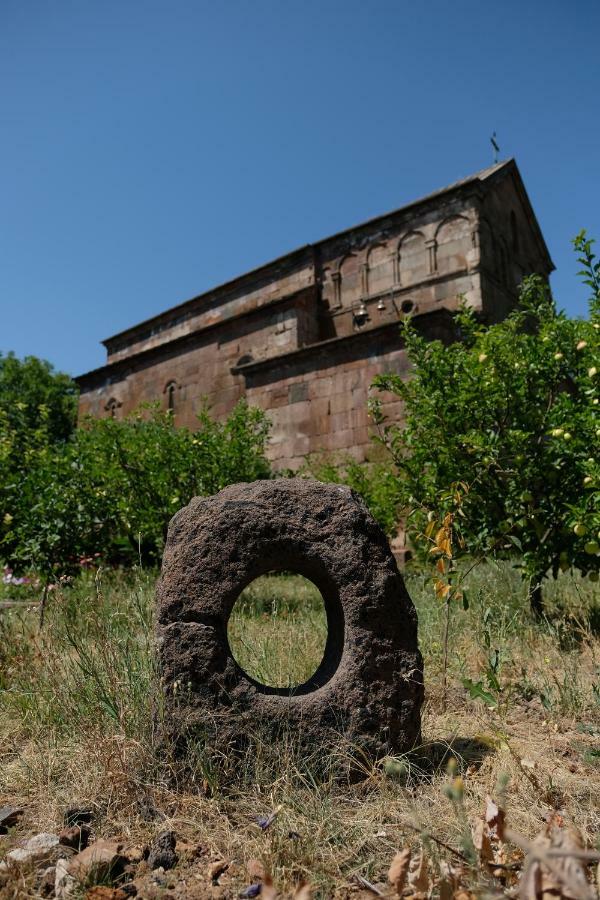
x: 75, y: 728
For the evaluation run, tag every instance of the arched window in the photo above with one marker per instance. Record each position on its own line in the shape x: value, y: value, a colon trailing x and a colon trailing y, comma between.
x: 112, y: 407
x: 380, y: 270
x: 350, y: 286
x: 413, y: 259
x: 453, y: 243
x: 169, y: 391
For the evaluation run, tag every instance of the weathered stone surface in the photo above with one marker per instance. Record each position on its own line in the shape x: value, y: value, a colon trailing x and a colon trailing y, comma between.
x: 76, y: 837
x: 368, y: 687
x: 162, y: 851
x: 101, y: 861
x: 9, y: 816
x: 38, y: 848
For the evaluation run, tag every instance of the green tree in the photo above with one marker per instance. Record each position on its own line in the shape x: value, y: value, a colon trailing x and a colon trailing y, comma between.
x: 31, y: 385
x: 499, y: 446
x: 114, y: 485
x: 146, y: 468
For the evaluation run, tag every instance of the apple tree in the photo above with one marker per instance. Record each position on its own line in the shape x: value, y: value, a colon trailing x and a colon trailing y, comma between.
x: 501, y: 432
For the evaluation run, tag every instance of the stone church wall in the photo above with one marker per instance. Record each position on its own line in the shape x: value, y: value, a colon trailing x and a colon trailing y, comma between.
x: 304, y: 336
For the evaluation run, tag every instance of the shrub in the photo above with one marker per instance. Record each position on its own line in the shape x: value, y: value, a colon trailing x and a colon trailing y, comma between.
x: 114, y: 486
x: 500, y: 440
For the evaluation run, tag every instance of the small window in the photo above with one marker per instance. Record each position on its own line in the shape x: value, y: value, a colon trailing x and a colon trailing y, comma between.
x: 112, y: 407
x: 170, y: 391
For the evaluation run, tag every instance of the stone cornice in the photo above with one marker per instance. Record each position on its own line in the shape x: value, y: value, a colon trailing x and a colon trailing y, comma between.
x: 89, y: 379
x: 422, y: 322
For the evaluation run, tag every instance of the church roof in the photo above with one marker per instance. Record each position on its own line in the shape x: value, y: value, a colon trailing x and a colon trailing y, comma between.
x: 482, y: 176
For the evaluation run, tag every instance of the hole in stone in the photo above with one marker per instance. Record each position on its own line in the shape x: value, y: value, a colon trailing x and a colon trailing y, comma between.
x: 407, y: 306
x: 277, y: 630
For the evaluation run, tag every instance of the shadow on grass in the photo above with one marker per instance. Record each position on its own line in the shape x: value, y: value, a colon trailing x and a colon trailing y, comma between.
x: 431, y: 759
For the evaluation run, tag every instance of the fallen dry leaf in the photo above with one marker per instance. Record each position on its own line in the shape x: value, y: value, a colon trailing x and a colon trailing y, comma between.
x: 554, y: 866
x: 418, y: 876
x: 482, y: 843
x: 494, y: 817
x: 398, y: 870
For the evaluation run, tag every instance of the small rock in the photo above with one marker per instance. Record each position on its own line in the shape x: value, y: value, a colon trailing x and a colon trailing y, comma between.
x: 64, y: 884
x: 78, y: 815
x: 159, y: 877
x: 135, y: 853
x: 77, y: 837
x: 101, y: 861
x: 162, y: 851
x: 216, y: 869
x: 34, y: 850
x: 105, y: 893
x: 47, y: 882
x: 147, y: 810
x: 9, y: 816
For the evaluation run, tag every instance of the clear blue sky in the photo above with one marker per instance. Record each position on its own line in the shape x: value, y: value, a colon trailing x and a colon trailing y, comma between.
x: 151, y: 150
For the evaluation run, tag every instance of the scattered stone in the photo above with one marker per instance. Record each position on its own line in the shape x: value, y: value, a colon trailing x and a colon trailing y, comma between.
x: 162, y: 851
x: 216, y: 869
x: 159, y: 877
x: 368, y: 688
x: 129, y: 889
x: 147, y: 810
x: 76, y: 837
x: 64, y: 883
x: 36, y: 849
x: 78, y: 815
x: 47, y: 882
x: 9, y: 816
x: 135, y: 853
x: 100, y: 892
x: 101, y: 861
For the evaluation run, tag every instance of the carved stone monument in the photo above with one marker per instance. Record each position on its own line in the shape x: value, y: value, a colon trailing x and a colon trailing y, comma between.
x: 368, y: 688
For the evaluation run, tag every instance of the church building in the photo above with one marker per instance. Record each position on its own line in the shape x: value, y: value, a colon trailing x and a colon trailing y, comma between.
x: 303, y: 336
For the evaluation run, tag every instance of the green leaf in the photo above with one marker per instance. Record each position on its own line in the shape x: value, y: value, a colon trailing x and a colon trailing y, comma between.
x: 477, y: 692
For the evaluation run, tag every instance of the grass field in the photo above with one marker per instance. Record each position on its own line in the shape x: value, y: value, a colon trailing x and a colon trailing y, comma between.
x: 521, y: 723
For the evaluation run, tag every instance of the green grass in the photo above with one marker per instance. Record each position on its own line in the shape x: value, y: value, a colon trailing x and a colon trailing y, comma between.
x: 277, y: 630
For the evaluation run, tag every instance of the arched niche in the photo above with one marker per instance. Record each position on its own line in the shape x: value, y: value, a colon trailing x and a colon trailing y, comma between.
x: 453, y: 242
x: 329, y: 289
x: 112, y: 407
x: 380, y: 269
x: 413, y: 258
x: 170, y: 392
x: 350, y: 280
x: 487, y: 247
